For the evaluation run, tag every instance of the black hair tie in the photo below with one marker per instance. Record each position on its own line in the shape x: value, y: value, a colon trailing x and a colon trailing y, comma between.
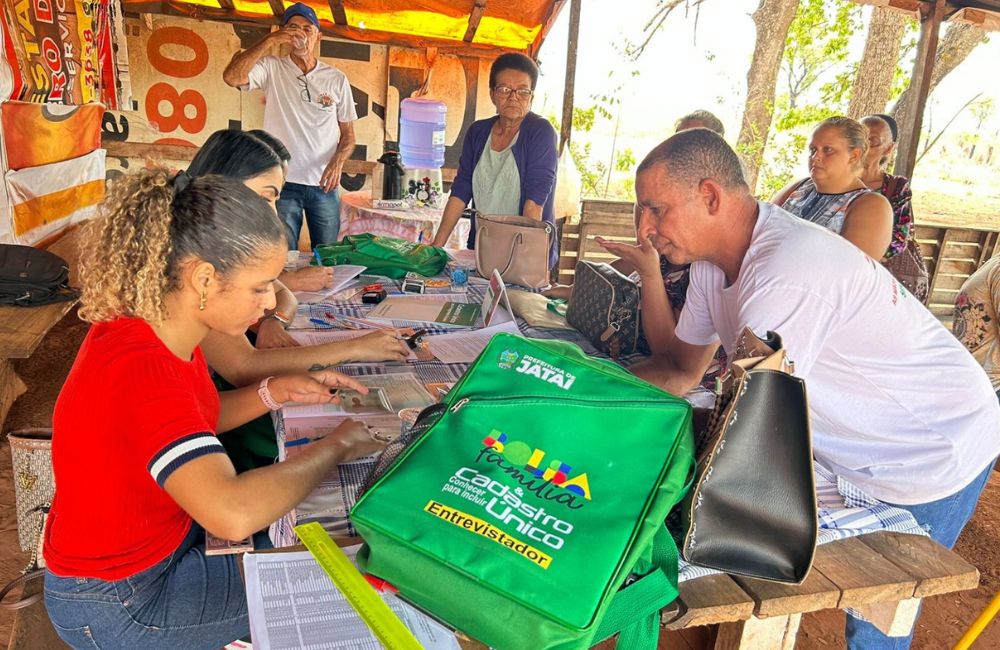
x: 180, y: 181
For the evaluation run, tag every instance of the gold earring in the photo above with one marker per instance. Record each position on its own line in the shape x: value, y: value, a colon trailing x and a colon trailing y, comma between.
x: 201, y: 303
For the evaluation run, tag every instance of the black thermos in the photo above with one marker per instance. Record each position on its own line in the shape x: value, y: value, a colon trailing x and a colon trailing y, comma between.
x: 392, y: 176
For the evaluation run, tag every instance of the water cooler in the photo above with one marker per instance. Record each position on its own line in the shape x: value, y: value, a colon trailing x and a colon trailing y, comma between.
x: 421, y: 146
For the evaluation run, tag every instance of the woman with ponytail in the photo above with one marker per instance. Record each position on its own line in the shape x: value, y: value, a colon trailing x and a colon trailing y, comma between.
x: 139, y: 470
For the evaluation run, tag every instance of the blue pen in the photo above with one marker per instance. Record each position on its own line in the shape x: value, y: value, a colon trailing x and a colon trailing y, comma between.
x: 319, y: 260
x: 299, y: 442
x: 322, y: 323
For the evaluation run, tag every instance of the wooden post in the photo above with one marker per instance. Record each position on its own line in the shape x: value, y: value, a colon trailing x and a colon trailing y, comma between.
x: 920, y: 82
x: 565, y: 131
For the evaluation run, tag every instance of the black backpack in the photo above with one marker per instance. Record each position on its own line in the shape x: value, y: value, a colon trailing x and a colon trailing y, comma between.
x: 32, y: 276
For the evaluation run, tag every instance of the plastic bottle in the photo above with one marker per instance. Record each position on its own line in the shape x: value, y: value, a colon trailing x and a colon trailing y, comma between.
x: 421, y: 133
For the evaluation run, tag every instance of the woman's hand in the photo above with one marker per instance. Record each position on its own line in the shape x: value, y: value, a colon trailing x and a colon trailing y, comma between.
x: 558, y: 291
x: 380, y: 345
x: 310, y: 278
x: 642, y: 256
x: 320, y: 387
x: 357, y: 439
x: 272, y: 334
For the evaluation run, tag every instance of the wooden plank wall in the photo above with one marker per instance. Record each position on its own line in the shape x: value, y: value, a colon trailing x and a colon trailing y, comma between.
x: 952, y: 254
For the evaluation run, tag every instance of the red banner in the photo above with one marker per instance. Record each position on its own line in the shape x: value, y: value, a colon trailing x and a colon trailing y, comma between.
x: 56, y: 47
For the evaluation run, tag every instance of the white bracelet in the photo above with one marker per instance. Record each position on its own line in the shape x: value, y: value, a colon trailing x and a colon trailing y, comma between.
x: 265, y: 395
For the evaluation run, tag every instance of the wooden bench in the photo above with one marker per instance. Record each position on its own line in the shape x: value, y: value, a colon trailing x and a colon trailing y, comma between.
x: 612, y: 220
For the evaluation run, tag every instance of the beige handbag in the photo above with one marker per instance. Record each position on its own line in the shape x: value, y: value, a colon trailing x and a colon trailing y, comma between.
x: 517, y: 247
x: 34, y: 485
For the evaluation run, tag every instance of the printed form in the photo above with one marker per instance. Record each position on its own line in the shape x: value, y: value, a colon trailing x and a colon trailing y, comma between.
x: 294, y: 604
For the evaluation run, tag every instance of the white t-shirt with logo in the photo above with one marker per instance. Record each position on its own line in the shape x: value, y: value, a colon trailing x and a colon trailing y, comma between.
x: 898, y: 406
x: 304, y: 111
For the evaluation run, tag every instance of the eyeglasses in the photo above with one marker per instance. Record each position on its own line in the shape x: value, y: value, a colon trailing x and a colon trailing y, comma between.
x: 306, y: 95
x: 503, y: 92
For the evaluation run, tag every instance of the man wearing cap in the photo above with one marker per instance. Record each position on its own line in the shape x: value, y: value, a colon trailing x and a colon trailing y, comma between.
x: 309, y: 107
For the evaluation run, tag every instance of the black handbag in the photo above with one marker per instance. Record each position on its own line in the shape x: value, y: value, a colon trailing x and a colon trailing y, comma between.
x: 32, y: 276
x: 752, y: 510
x: 604, y: 307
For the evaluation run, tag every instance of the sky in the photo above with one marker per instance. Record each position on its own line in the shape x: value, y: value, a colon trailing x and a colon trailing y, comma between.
x: 701, y: 62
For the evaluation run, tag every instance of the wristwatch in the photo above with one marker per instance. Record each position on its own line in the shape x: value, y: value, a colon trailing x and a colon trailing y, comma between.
x: 280, y: 317
x: 265, y: 395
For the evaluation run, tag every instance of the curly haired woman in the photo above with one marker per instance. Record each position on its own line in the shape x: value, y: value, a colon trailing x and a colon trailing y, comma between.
x: 140, y: 472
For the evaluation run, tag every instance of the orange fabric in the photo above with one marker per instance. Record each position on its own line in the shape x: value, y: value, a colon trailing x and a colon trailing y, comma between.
x: 505, y: 24
x: 38, y: 134
x: 55, y: 206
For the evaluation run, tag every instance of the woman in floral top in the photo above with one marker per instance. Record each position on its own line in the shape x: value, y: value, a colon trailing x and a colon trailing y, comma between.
x: 975, y: 323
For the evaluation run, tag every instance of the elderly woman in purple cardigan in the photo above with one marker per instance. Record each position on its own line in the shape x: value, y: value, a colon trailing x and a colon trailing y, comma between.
x: 508, y: 163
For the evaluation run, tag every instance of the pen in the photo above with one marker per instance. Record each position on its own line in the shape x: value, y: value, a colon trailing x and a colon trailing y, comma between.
x: 317, y: 321
x: 300, y: 441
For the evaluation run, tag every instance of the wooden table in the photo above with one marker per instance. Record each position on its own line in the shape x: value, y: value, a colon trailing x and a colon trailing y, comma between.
x: 883, y: 575
x: 21, y: 330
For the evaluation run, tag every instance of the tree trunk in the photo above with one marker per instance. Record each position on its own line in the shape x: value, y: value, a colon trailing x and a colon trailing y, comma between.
x: 772, y: 19
x: 873, y: 83
x: 957, y: 43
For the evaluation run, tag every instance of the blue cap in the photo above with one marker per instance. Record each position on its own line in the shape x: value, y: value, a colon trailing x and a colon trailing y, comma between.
x: 300, y: 9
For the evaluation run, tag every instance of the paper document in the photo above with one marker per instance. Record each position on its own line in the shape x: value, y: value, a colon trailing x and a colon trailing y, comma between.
x: 464, y: 347
x: 343, y: 275
x: 293, y: 604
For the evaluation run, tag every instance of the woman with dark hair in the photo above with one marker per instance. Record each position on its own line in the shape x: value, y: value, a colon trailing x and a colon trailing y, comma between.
x: 259, y: 160
x: 903, y: 257
x: 140, y: 471
x: 834, y: 196
x: 508, y: 162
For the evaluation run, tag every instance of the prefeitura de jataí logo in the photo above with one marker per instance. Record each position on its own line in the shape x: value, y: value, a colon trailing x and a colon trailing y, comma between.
x: 525, y: 477
x: 533, y: 367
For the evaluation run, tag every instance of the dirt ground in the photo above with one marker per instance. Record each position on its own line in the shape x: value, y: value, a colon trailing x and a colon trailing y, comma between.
x: 942, y: 623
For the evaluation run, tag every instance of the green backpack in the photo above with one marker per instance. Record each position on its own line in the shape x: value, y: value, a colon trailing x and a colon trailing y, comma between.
x: 520, y: 507
x: 387, y: 256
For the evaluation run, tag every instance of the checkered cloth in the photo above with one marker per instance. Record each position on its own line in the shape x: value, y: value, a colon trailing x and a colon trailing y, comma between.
x: 844, y: 510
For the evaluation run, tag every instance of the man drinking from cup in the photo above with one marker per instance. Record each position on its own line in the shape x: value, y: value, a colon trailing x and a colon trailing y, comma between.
x: 309, y: 108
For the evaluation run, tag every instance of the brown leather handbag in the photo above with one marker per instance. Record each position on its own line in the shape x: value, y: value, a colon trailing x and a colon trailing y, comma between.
x: 517, y: 247
x: 752, y: 510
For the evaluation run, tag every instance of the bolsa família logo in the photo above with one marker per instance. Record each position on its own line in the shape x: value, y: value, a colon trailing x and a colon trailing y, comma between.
x: 525, y: 464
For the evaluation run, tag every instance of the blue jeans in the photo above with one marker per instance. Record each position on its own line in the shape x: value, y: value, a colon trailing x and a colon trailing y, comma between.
x: 321, y: 209
x: 187, y: 600
x: 943, y: 520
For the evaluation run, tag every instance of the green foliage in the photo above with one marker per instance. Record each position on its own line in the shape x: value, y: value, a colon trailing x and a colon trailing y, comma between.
x: 814, y: 84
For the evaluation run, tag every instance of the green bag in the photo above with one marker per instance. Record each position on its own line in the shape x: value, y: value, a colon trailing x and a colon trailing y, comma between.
x: 387, y: 256
x: 521, y: 506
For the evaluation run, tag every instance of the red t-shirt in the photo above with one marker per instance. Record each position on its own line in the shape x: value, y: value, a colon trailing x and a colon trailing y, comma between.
x: 130, y: 413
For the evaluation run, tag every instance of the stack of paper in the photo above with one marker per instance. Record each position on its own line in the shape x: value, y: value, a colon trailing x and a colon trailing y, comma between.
x: 293, y: 604
x: 343, y: 275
